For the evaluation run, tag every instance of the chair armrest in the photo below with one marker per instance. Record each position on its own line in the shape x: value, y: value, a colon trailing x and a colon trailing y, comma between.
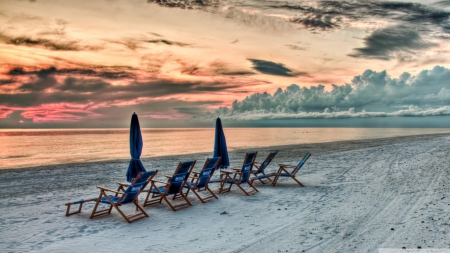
x: 157, y: 181
x: 123, y: 184
x: 168, y: 176
x: 107, y: 189
x: 227, y: 171
x: 195, y: 172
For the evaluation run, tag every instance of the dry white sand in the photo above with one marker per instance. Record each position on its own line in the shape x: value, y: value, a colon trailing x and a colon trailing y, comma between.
x: 359, y: 196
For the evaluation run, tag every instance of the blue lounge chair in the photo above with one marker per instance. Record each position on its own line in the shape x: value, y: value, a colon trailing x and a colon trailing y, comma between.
x: 174, y: 186
x: 121, y: 197
x: 200, y: 180
x: 282, y: 171
x: 239, y: 177
x: 260, y: 167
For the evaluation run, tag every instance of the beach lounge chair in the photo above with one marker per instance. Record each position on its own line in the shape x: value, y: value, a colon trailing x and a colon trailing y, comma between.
x: 120, y: 197
x: 282, y: 171
x: 174, y: 186
x: 239, y: 177
x: 260, y: 167
x: 200, y: 180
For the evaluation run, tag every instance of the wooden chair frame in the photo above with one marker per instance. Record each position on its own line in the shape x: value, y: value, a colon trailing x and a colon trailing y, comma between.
x: 283, y: 168
x: 235, y: 175
x: 119, y: 192
x: 158, y: 197
x: 258, y: 166
x: 195, y: 179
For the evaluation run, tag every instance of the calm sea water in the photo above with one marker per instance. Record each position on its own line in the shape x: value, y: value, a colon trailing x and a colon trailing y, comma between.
x: 30, y: 148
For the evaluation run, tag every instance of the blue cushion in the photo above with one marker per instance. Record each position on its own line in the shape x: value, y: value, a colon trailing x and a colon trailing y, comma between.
x: 113, y: 198
x: 231, y: 182
x: 284, y: 175
x: 262, y: 176
x: 186, y: 185
x: 162, y: 189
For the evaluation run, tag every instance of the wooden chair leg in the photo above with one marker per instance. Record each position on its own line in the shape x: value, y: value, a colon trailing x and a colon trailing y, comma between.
x: 121, y: 213
x: 298, y: 182
x: 141, y: 209
x: 275, y: 180
x: 242, y: 189
x: 198, y: 196
x: 68, y: 209
x: 251, y: 185
x: 187, y: 200
x: 215, y: 196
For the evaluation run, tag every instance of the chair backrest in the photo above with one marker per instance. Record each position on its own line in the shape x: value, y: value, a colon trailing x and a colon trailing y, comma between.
x: 180, y: 176
x: 136, y: 186
x: 247, y: 166
x: 207, y: 171
x: 266, y: 162
x: 300, y: 164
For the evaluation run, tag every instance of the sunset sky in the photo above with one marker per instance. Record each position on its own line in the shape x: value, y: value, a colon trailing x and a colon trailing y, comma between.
x: 183, y: 63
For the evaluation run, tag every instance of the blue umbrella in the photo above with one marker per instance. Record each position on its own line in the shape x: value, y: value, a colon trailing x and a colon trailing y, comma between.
x: 135, y: 166
x: 220, y: 145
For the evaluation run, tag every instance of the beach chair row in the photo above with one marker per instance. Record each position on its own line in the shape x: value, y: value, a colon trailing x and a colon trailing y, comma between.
x: 185, y: 180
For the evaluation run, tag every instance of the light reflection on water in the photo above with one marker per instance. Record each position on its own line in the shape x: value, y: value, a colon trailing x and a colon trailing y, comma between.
x: 30, y: 148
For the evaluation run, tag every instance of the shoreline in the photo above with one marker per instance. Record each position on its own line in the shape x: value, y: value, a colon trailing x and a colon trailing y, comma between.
x: 314, y: 148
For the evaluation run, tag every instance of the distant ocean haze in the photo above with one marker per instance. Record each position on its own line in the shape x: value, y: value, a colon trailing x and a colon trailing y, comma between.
x: 32, y: 148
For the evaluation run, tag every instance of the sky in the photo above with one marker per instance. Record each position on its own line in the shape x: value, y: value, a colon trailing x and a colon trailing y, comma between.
x: 253, y: 63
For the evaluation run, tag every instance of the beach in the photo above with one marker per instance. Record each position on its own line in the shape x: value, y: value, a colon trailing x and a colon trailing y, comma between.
x: 359, y: 196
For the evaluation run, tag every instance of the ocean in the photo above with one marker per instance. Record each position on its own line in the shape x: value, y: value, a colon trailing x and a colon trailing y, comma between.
x: 32, y: 148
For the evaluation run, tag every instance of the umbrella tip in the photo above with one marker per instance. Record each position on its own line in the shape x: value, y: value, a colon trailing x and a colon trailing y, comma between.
x: 134, y: 113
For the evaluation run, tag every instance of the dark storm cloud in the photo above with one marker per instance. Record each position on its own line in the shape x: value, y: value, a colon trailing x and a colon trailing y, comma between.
x: 271, y: 68
x: 57, y: 45
x: 371, y: 94
x: 384, y: 43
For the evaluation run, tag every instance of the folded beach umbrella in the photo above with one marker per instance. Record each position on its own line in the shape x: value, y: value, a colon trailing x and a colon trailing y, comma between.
x: 220, y: 145
x: 135, y: 166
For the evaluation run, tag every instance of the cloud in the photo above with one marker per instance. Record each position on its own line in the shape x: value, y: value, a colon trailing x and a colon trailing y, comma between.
x: 387, y: 43
x: 318, y: 21
x: 412, y: 111
x: 330, y: 15
x: 168, y: 42
x: 58, y: 45
x: 271, y: 68
x: 221, y: 68
x: 295, y: 47
x: 188, y: 4
x: 372, y: 94
x: 6, y: 81
x: 117, y: 72
x: 191, y: 110
x: 52, y: 85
